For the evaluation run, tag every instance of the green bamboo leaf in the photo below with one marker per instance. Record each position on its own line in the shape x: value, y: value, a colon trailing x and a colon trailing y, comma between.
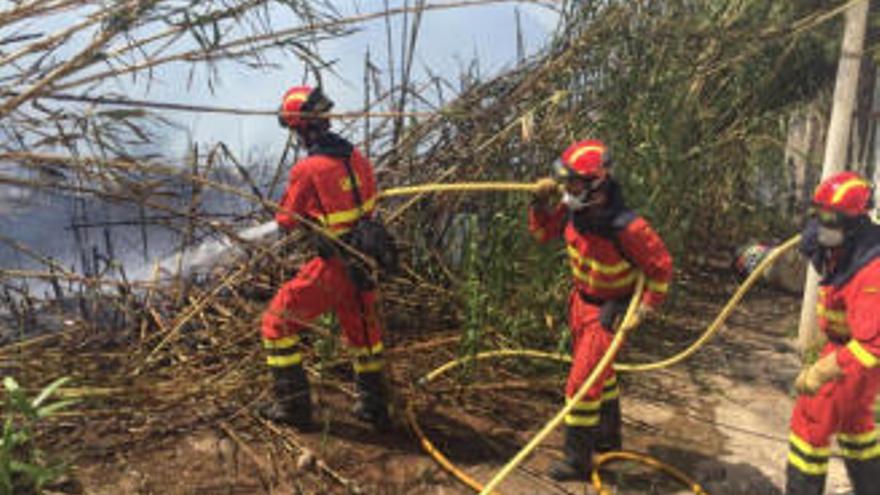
x: 49, y: 390
x: 10, y: 384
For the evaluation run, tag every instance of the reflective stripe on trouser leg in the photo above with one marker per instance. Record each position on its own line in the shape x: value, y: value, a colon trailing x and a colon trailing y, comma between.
x: 807, y: 467
x: 284, y: 358
x: 610, y: 421
x: 584, y: 414
x: 861, y: 455
x: 859, y: 446
x: 813, y: 421
x: 610, y: 390
x: 290, y: 386
x: 369, y: 359
x: 373, y: 398
x: 284, y: 352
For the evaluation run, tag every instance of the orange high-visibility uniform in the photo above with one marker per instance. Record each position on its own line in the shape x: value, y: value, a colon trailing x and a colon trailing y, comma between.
x: 602, y: 273
x: 319, y: 194
x: 849, y: 315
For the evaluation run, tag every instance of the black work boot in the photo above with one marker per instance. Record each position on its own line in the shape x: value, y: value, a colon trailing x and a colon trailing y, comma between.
x: 578, y: 447
x: 372, y: 402
x: 610, y: 438
x: 291, y: 404
x: 864, y: 475
x: 798, y: 482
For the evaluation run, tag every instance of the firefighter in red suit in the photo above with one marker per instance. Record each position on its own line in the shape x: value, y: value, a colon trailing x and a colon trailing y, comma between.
x: 838, y: 392
x: 607, y: 245
x: 320, y: 198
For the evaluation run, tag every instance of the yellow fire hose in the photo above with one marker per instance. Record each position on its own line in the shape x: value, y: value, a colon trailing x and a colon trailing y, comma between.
x: 711, y: 330
x: 616, y: 343
x: 672, y: 471
x: 716, y: 325
x: 459, y: 187
x: 619, y: 337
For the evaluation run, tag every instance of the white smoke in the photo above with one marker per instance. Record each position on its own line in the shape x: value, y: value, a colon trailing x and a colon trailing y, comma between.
x: 201, y: 258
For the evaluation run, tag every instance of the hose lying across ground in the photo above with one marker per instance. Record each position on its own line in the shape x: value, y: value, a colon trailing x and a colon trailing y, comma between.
x: 617, y: 342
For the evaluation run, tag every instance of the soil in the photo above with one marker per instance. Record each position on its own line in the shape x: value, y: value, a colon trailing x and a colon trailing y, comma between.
x: 722, y: 417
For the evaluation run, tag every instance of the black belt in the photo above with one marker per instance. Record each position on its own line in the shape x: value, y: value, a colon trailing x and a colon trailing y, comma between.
x: 325, y: 247
x: 590, y: 299
x: 610, y: 310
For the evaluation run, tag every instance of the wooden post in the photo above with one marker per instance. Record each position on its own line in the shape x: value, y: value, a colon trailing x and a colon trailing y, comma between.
x: 874, y: 125
x: 836, y: 144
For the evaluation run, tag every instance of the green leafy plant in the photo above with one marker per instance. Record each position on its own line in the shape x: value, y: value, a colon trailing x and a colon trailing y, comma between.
x: 510, y: 285
x: 24, y: 468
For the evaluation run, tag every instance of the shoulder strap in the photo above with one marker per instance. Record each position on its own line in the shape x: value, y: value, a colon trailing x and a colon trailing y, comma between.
x: 618, y: 224
x: 355, y: 190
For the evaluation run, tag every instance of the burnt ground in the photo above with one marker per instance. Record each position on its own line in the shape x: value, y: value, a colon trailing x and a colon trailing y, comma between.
x: 721, y: 417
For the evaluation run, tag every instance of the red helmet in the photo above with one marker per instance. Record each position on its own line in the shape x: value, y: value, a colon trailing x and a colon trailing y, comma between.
x: 586, y: 159
x: 846, y: 194
x: 301, y: 99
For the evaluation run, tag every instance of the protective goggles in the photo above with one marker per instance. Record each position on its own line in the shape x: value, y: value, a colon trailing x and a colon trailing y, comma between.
x: 565, y: 173
x: 827, y: 217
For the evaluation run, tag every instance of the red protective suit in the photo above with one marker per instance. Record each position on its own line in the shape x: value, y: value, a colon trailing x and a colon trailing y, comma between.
x: 849, y: 315
x: 319, y: 192
x: 601, y: 273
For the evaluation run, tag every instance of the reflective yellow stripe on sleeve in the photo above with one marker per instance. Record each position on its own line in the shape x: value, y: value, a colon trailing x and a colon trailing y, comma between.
x: 657, y: 286
x: 867, y: 359
x: 830, y: 314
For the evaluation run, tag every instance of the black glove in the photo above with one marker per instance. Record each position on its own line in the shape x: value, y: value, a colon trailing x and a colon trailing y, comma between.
x: 809, y: 245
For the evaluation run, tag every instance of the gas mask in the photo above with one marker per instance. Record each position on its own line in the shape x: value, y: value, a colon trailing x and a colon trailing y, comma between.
x: 576, y: 203
x: 591, y: 195
x: 819, y: 239
x: 830, y: 237
x: 830, y: 228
